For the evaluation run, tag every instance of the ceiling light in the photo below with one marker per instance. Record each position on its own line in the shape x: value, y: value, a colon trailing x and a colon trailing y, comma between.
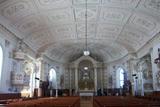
x: 86, y: 53
x: 85, y: 68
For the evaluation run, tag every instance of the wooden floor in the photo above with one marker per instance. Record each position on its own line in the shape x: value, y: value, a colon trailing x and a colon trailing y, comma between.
x: 86, y: 101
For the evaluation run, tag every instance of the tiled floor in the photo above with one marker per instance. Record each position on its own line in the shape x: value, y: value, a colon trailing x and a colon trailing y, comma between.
x: 86, y: 101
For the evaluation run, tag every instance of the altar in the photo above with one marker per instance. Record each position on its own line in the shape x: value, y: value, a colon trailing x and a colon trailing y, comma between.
x: 86, y: 93
x: 84, y: 71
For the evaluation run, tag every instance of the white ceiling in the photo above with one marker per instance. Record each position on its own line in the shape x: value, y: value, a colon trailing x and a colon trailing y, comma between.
x: 57, y: 27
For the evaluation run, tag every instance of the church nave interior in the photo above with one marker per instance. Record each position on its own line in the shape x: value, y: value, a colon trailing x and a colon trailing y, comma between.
x: 80, y: 53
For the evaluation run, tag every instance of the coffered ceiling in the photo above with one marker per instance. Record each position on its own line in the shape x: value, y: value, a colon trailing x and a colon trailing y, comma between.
x: 57, y: 27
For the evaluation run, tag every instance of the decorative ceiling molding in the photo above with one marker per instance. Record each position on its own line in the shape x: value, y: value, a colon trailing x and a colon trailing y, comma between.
x: 57, y: 27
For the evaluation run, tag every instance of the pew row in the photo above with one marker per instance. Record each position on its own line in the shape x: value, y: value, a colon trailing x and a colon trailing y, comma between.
x: 114, y: 101
x: 5, y: 96
x: 48, y: 102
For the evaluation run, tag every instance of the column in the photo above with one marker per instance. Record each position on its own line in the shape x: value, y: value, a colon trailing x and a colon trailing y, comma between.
x: 102, y: 79
x: 56, y: 92
x: 155, y: 69
x: 70, y: 88
x: 76, y: 80
x: 142, y: 82
x: 132, y: 70
x: 42, y: 70
x: 41, y: 77
x: 95, y: 80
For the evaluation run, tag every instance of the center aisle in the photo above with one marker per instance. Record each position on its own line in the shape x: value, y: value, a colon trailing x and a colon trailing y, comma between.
x: 86, y: 101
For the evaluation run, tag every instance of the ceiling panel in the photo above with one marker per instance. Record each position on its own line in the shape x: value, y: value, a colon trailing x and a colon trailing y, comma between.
x: 120, y: 3
x: 79, y: 2
x: 143, y: 22
x: 30, y: 24
x: 153, y: 5
x: 92, y: 13
x: 45, y: 5
x: 105, y: 28
x: 91, y: 27
x: 114, y: 15
x: 15, y: 10
x: 59, y: 16
x: 55, y: 27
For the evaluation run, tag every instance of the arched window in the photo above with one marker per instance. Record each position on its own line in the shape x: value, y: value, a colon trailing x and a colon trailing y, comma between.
x: 120, y: 77
x: 1, y: 60
x: 52, y: 78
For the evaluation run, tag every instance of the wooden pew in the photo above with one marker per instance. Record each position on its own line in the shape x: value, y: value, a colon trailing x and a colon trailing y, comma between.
x: 5, y: 96
x: 113, y: 101
x: 49, y: 102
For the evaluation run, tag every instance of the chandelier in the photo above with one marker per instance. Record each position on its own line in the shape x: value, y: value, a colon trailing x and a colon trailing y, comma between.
x: 86, y: 51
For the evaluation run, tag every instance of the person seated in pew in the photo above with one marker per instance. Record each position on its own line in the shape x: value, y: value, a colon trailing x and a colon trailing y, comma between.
x: 99, y: 92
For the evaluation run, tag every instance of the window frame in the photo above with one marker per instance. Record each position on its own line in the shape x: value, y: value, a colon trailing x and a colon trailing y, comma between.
x: 53, y: 77
x: 120, y: 81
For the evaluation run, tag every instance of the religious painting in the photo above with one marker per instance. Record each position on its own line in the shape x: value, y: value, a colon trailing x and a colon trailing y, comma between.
x: 144, y: 66
x: 17, y: 78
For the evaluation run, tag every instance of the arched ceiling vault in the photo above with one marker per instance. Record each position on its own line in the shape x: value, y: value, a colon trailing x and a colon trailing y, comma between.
x: 57, y: 27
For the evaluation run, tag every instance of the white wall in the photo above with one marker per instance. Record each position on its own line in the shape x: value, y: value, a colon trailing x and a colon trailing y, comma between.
x: 8, y: 43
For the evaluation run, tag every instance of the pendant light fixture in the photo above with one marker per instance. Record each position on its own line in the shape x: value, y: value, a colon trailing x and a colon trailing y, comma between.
x: 86, y: 51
